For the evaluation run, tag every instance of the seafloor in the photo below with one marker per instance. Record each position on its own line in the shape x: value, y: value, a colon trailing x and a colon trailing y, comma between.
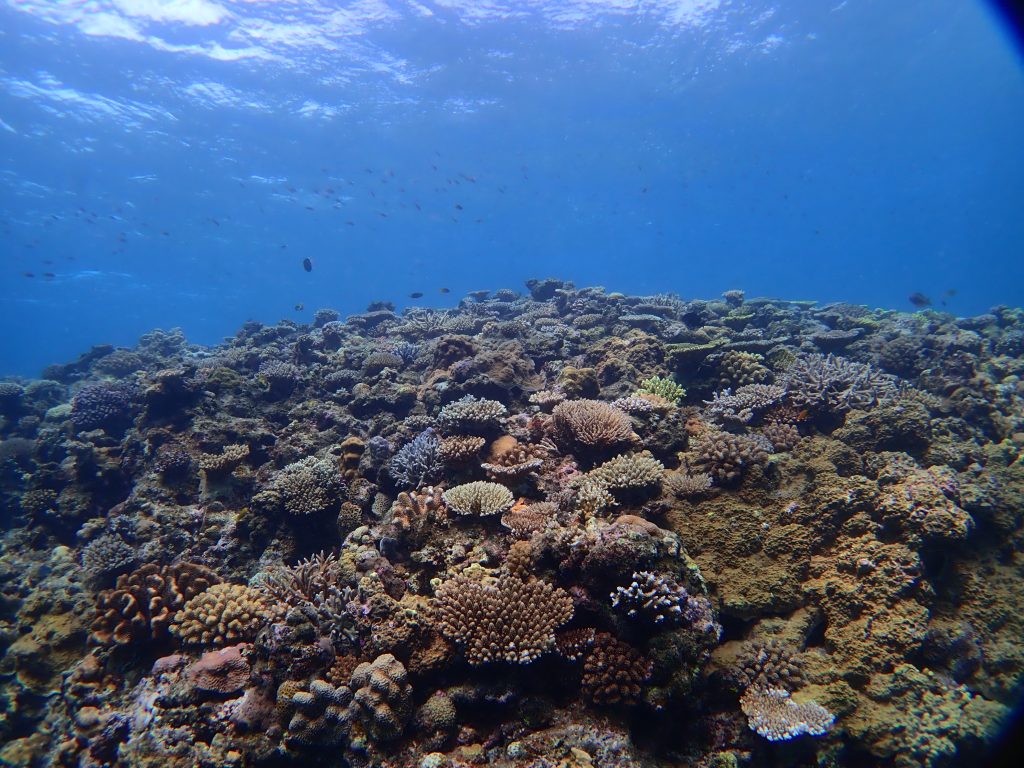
x: 566, y: 528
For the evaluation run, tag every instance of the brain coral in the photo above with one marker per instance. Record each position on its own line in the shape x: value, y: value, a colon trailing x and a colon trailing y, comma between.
x: 510, y: 620
x: 141, y: 606
x: 383, y: 697
x: 478, y: 498
x: 592, y: 424
x: 223, y: 614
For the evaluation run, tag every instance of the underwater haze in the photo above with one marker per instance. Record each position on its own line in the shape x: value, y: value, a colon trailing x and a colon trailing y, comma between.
x: 514, y: 383
x: 171, y: 164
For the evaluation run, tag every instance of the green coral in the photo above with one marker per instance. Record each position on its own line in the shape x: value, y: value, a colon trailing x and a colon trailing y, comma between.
x: 662, y: 387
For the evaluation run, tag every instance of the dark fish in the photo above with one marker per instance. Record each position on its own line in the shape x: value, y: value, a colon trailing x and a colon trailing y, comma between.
x: 950, y: 293
x: 299, y: 307
x: 446, y: 290
x: 307, y: 265
x: 919, y: 300
x: 416, y: 295
x: 29, y: 274
x: 49, y: 275
x: 458, y: 207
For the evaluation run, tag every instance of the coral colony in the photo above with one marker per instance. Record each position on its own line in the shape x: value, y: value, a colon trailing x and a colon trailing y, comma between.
x: 566, y: 528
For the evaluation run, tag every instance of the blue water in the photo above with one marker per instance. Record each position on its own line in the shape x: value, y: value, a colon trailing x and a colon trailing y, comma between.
x: 171, y: 163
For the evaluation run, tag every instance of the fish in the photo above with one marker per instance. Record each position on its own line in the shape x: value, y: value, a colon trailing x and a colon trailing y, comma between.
x: 29, y: 274
x: 446, y: 290
x: 919, y: 300
x: 307, y: 265
x: 299, y: 307
x: 49, y: 275
x: 416, y: 295
x: 458, y: 206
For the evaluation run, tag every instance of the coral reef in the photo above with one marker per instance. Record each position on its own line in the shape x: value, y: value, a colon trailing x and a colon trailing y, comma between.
x: 560, y: 528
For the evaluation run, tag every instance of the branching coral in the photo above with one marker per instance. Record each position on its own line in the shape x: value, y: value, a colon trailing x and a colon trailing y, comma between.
x: 418, y: 462
x: 478, y: 498
x: 509, y: 620
x: 309, y: 486
x: 614, y: 672
x: 836, y: 384
x: 316, y: 587
x: 471, y: 415
x: 383, y: 697
x: 592, y: 424
x: 773, y: 714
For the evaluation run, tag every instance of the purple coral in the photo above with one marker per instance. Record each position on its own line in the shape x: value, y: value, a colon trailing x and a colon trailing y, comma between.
x: 418, y: 461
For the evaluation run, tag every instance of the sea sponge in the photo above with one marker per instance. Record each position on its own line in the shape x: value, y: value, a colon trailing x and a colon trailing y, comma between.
x: 309, y: 486
x: 224, y: 614
x: 142, y: 604
x: 592, y: 424
x: 773, y: 714
x: 614, y: 672
x: 510, y: 620
x: 478, y: 498
x: 383, y: 697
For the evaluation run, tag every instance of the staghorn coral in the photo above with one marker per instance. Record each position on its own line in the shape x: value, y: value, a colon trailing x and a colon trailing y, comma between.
x: 461, y: 449
x: 592, y: 424
x: 143, y: 603
x: 835, y: 384
x: 726, y: 457
x: 684, y: 484
x: 735, y: 410
x: 223, y: 614
x: 478, y: 498
x: 509, y: 620
x: 418, y: 462
x: 737, y: 369
x: 471, y: 415
x: 316, y: 587
x: 614, y: 672
x: 383, y: 697
x: 309, y: 486
x: 773, y: 714
x: 225, y: 462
